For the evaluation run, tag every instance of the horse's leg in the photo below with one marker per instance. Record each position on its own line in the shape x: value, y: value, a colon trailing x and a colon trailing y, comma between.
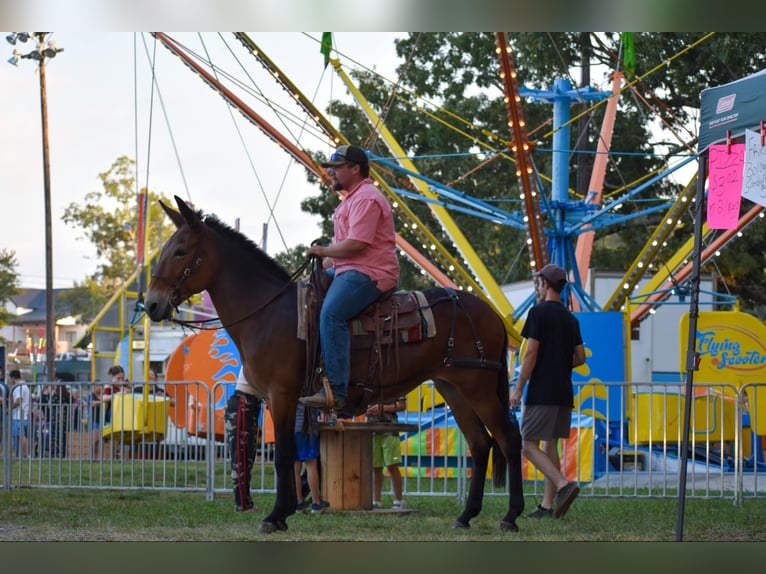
x: 508, y: 438
x: 285, y: 453
x: 510, y: 443
x: 478, y: 441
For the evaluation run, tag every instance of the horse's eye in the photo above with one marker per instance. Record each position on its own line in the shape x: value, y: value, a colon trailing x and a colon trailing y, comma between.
x: 179, y: 253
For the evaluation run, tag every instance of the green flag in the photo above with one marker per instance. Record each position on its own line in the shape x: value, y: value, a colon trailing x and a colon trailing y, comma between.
x: 629, y: 52
x: 326, y: 46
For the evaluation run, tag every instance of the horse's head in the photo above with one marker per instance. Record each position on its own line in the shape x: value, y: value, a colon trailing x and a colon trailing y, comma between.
x: 185, y: 264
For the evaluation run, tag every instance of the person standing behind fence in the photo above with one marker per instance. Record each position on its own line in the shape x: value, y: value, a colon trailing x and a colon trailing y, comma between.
x: 93, y: 404
x: 21, y: 406
x: 386, y: 451
x: 241, y: 422
x: 55, y: 403
x: 5, y: 395
x: 117, y: 376
x: 554, y: 348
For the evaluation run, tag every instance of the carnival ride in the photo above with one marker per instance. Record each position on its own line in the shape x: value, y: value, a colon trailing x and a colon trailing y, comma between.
x: 557, y: 225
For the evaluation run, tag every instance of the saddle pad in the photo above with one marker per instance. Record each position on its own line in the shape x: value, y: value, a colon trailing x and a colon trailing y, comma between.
x: 428, y: 314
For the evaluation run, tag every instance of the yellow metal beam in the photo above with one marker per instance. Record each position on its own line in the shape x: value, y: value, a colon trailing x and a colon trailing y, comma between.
x: 648, y: 253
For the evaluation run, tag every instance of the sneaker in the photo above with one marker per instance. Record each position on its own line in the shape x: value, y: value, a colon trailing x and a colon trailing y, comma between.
x: 399, y: 505
x: 318, y: 508
x: 377, y: 504
x: 541, y: 512
x: 564, y: 498
x: 302, y: 507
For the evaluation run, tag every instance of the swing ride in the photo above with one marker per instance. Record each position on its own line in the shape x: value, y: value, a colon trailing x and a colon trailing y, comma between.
x: 557, y: 225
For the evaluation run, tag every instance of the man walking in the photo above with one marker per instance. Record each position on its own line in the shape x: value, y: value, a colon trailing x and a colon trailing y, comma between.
x: 554, y: 348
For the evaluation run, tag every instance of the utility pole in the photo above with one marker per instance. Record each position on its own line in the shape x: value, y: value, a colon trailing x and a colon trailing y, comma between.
x: 584, y: 165
x: 41, y: 54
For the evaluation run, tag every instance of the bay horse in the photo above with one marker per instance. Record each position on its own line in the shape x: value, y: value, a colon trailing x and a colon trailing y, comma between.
x: 256, y: 302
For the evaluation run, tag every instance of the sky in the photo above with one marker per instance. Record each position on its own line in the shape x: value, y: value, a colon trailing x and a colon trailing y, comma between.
x: 101, y: 107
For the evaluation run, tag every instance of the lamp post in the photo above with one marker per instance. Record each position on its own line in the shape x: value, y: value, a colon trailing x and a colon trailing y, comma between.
x: 43, y: 52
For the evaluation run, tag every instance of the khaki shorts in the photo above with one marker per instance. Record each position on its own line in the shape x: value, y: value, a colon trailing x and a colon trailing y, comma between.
x: 386, y: 450
x: 545, y: 422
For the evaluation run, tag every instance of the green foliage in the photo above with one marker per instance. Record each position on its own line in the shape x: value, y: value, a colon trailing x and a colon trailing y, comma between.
x: 293, y: 258
x: 108, y: 220
x: 9, y: 282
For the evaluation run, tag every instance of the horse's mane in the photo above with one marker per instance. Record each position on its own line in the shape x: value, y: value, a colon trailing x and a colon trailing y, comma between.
x: 240, y: 238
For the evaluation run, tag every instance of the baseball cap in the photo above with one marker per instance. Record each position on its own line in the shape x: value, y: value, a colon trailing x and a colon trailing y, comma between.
x: 345, y: 154
x: 553, y: 274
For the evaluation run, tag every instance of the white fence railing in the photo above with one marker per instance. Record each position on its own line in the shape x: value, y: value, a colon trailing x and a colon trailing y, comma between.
x: 626, y: 440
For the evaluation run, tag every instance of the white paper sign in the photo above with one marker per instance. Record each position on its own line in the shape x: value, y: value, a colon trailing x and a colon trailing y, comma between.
x: 754, y: 174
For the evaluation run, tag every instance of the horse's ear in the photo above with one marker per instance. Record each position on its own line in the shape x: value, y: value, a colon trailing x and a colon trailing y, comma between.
x: 175, y: 217
x: 190, y: 216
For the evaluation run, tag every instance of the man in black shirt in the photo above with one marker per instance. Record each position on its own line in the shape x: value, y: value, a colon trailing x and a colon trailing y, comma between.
x: 554, y: 348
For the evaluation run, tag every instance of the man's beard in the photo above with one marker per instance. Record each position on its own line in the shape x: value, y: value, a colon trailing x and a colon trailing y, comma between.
x: 337, y: 186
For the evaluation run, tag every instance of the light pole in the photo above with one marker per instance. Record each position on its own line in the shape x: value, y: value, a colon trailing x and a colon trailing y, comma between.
x: 41, y: 54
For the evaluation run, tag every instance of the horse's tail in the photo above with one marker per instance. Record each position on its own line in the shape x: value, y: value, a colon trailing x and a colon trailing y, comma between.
x: 499, y: 463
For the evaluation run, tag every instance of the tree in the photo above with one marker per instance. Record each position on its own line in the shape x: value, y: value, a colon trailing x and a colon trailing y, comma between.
x: 9, y: 282
x: 107, y: 218
x: 459, y: 73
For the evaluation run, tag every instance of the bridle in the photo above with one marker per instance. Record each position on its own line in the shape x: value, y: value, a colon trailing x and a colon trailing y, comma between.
x: 175, y: 289
x: 175, y: 296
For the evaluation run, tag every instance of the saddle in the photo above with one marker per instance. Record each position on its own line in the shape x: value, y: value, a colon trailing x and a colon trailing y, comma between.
x: 397, y: 317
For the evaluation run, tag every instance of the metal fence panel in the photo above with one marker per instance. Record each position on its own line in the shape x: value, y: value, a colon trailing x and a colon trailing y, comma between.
x: 628, y: 450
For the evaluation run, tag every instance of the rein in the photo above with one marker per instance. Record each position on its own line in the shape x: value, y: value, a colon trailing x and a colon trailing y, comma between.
x: 197, y: 324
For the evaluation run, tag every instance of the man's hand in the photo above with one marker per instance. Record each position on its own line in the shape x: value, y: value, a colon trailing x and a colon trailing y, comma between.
x: 515, y: 399
x: 317, y: 250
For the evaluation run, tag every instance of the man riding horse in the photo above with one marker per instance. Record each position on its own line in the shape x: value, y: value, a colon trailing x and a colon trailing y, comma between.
x: 362, y: 258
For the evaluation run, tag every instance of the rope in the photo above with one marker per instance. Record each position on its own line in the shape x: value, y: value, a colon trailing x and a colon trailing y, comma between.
x: 152, y: 59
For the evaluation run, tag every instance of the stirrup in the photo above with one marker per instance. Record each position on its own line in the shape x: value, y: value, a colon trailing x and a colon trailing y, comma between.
x: 328, y: 393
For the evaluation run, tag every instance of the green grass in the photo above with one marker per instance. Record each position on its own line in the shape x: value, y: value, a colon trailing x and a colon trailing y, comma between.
x: 145, y: 515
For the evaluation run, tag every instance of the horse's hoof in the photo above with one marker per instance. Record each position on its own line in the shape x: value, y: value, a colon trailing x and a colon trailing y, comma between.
x: 270, y: 527
x: 509, y: 526
x: 460, y: 525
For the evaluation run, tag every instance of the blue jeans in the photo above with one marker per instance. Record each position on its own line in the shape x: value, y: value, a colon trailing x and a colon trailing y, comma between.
x: 349, y: 294
x: 19, y: 430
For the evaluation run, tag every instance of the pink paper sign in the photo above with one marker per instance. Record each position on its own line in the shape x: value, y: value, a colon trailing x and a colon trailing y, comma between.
x: 724, y: 185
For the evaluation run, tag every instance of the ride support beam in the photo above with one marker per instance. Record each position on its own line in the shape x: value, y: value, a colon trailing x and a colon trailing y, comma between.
x: 640, y: 264
x: 584, y: 247
x: 520, y: 148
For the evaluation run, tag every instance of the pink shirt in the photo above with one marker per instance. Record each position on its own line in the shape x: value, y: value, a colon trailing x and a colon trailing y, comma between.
x: 365, y: 215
